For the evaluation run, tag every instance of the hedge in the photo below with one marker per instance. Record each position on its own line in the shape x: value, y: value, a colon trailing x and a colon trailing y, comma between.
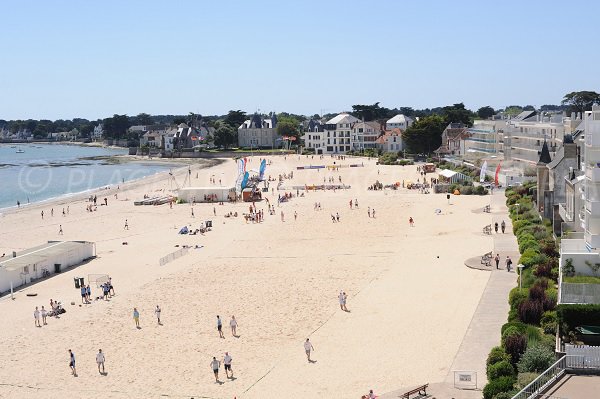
x: 572, y: 316
x: 494, y: 387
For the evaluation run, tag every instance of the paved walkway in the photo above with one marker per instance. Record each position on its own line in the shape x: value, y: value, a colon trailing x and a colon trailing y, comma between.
x: 491, y: 313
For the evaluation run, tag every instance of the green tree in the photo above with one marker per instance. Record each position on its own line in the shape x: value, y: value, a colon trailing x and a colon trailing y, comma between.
x: 235, y: 118
x: 581, y: 101
x: 371, y: 112
x: 225, y: 135
x: 144, y: 119
x: 513, y: 110
x: 116, y: 126
x: 288, y: 126
x: 457, y: 113
x: 425, y: 135
x: 485, y: 112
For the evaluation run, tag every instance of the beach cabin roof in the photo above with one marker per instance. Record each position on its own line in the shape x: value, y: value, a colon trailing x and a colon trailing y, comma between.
x: 39, y: 254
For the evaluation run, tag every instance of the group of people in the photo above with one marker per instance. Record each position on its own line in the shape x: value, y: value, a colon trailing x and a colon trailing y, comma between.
x: 502, y: 226
x: 508, y: 262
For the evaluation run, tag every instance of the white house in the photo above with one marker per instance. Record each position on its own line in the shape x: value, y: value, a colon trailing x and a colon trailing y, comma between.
x: 313, y: 135
x: 22, y: 268
x: 399, y: 121
x: 337, y: 134
x: 98, y: 132
x: 364, y: 135
x: 258, y: 132
x: 391, y: 141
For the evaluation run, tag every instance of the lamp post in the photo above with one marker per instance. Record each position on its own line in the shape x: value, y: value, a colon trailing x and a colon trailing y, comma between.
x: 520, y: 267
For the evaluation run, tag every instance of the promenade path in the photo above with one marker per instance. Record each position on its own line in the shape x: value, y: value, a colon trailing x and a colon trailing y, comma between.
x: 491, y: 313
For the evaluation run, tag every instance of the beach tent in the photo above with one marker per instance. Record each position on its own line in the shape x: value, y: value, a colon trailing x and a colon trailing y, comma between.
x: 184, y: 230
x: 450, y: 176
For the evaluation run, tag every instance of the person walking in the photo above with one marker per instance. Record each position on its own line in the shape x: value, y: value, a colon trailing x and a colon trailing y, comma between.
x: 496, y: 227
x: 126, y: 227
x: 342, y: 300
x: 369, y: 211
x: 193, y: 212
x: 356, y: 203
x: 72, y: 363
x: 215, y: 364
x: 100, y: 360
x: 282, y: 217
x: 136, y: 317
x: 503, y: 226
x: 36, y: 317
x: 233, y: 324
x: 88, y: 293
x: 42, y: 215
x: 497, y: 259
x: 83, y: 294
x: 295, y: 215
x: 307, y: 348
x: 60, y: 230
x: 227, y: 363
x: 157, y: 313
x: 44, y: 313
x: 373, y: 213
x: 220, y: 327
x: 508, y: 263
x: 411, y: 222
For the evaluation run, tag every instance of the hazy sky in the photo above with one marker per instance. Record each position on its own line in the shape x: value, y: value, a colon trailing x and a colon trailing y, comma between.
x: 92, y: 59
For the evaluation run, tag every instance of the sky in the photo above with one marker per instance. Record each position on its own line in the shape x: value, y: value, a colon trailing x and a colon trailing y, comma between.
x: 91, y: 59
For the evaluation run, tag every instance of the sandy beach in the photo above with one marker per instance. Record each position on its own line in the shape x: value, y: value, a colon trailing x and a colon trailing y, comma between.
x: 410, y: 297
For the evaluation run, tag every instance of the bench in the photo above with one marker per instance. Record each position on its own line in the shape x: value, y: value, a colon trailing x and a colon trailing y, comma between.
x: 486, y: 209
x: 486, y: 259
x: 422, y: 391
x: 487, y: 229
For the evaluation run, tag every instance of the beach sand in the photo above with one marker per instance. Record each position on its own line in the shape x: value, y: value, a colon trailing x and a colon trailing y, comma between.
x: 409, y: 294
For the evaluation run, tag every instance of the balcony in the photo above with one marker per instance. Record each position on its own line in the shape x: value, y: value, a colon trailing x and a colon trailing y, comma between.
x: 593, y: 173
x: 564, y: 213
x: 579, y: 293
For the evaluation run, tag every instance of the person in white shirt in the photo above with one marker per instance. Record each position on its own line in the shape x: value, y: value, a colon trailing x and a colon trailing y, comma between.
x: 44, y: 313
x: 36, y: 316
x: 227, y: 362
x: 100, y: 360
x: 233, y: 324
x: 307, y: 348
x: 342, y: 300
x: 157, y: 312
x: 215, y: 364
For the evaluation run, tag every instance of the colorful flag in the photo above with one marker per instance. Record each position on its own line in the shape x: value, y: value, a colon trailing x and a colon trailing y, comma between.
x: 497, y: 173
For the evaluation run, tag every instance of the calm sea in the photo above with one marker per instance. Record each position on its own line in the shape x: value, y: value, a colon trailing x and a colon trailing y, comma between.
x: 45, y: 171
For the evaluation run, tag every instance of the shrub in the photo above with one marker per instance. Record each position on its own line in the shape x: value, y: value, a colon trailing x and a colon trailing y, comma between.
x: 548, y: 341
x: 543, y: 270
x: 536, y: 358
x: 530, y: 311
x: 518, y: 225
x: 506, y: 395
x: 534, y: 335
x: 388, y: 158
x: 571, y: 316
x: 548, y: 322
x: 527, y: 277
x: 531, y: 257
x: 500, y: 369
x: 520, y: 327
x: 494, y: 387
x: 515, y: 345
x: 568, y: 269
x: 513, y: 315
x: 537, y: 293
x: 516, y: 296
x: 524, y: 379
x: 497, y: 354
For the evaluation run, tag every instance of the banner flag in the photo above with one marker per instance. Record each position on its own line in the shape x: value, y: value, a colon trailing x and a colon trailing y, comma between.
x: 261, y: 171
x: 483, y: 172
x: 497, y: 173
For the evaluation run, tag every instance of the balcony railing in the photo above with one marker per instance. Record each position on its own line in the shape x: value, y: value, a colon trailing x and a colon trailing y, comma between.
x: 568, y: 362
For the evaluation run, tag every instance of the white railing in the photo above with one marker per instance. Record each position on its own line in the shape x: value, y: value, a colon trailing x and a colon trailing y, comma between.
x: 172, y: 256
x: 585, y: 356
x: 536, y: 388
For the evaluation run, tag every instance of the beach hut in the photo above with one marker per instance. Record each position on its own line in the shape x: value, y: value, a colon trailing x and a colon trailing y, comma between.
x: 23, y: 267
x: 206, y: 194
x: 429, y: 168
x: 451, y: 176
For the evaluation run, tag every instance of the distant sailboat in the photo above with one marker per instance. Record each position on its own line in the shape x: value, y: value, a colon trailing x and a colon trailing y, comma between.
x: 20, y: 151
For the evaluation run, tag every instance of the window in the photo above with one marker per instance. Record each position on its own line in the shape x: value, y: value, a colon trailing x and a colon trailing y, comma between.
x: 360, y: 129
x: 26, y: 270
x: 35, y: 268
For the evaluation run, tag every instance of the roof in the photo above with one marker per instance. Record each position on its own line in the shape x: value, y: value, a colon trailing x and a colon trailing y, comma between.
x: 447, y: 173
x: 400, y: 118
x: 342, y: 117
x: 388, y: 133
x: 524, y: 115
x: 39, y: 253
x: 545, y: 154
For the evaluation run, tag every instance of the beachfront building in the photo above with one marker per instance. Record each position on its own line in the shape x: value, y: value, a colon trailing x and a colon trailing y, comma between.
x: 399, y: 121
x: 313, y: 135
x: 453, y: 140
x: 484, y: 138
x: 98, y: 132
x: 259, y: 132
x: 364, y: 135
x: 390, y: 141
x: 337, y: 135
x: 24, y: 267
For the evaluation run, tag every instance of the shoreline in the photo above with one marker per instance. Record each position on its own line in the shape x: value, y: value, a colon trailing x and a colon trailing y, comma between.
x: 109, y: 189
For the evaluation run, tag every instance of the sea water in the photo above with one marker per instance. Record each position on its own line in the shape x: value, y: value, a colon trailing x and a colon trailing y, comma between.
x: 46, y: 171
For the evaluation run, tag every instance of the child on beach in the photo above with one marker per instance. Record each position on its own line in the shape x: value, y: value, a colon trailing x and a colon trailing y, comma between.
x: 233, y: 324
x: 220, y: 327
x: 36, y: 317
x: 157, y: 313
x: 136, y: 317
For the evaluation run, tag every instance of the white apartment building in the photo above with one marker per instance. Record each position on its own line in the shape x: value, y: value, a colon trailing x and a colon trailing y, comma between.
x: 313, y: 136
x: 584, y: 251
x: 337, y: 134
x: 399, y: 121
x: 485, y: 137
x: 364, y: 135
